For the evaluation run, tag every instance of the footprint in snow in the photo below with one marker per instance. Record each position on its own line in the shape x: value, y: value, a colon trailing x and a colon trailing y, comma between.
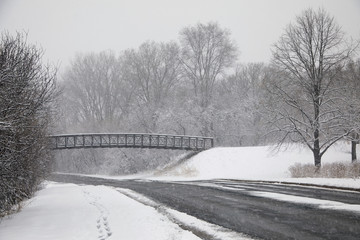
x: 102, y: 224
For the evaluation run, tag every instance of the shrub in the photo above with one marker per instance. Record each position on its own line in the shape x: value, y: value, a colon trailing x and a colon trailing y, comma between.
x: 328, y: 170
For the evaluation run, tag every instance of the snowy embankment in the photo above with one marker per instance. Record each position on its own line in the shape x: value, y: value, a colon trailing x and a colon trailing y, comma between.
x: 256, y: 163
x: 262, y: 163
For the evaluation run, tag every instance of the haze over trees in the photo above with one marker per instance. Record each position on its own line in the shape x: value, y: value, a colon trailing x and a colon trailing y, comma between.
x: 196, y: 87
x: 160, y: 87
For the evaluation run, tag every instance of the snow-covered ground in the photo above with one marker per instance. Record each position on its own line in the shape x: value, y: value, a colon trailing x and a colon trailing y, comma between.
x: 264, y: 163
x: 69, y: 211
x: 257, y: 163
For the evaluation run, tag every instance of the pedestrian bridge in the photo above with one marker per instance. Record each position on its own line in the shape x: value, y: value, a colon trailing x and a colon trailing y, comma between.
x: 130, y: 140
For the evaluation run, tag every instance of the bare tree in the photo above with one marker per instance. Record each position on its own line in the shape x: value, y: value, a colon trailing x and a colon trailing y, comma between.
x: 154, y: 68
x: 309, y: 56
x: 207, y: 51
x: 96, y: 93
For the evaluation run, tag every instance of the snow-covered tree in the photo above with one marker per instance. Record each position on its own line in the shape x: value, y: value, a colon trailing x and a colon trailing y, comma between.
x: 97, y: 96
x: 351, y: 79
x: 154, y: 69
x: 241, y: 100
x: 207, y: 51
x: 309, y: 57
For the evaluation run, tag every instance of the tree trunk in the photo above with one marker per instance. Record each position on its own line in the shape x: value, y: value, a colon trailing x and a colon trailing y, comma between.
x: 317, y: 157
x: 353, y: 150
x: 316, y: 151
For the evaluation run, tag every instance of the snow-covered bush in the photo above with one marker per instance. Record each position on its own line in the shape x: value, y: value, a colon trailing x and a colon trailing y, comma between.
x: 26, y: 91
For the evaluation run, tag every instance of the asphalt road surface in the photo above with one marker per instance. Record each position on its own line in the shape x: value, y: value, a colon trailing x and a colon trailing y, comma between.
x: 242, y: 207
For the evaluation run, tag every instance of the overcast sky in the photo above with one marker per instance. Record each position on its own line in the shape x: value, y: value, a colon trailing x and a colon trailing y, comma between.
x: 65, y: 27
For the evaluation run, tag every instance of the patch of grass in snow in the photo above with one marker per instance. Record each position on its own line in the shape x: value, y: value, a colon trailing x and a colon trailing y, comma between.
x: 183, y: 171
x: 327, y: 170
x: 174, y: 168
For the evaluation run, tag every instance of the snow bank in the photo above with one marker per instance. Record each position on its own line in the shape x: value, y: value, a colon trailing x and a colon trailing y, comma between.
x: 249, y: 163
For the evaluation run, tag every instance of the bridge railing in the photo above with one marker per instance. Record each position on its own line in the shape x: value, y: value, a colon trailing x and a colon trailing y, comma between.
x: 130, y: 140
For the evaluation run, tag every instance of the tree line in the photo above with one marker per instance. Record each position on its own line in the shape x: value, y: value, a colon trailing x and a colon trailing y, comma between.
x: 307, y: 93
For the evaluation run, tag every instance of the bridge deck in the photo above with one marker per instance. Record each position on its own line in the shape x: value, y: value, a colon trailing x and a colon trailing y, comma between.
x: 130, y: 140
